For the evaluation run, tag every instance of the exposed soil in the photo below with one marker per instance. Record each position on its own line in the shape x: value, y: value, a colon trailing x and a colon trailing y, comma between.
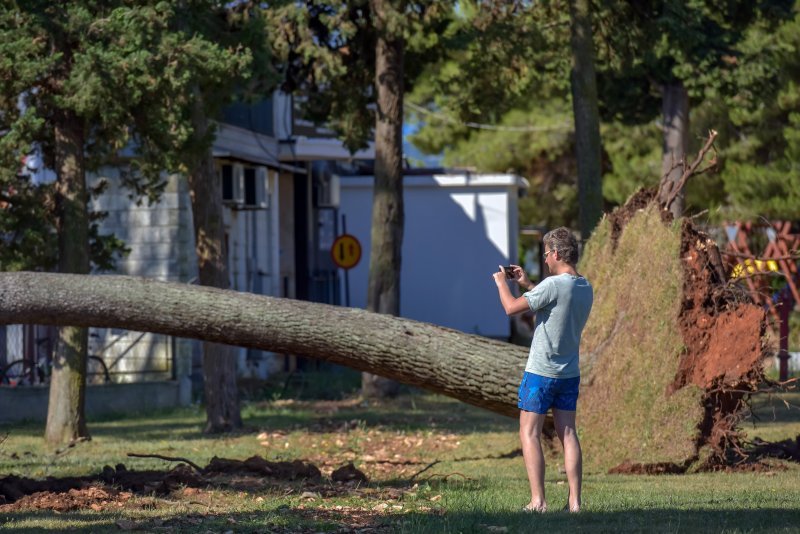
x: 722, y: 329
x: 115, y: 486
x: 723, y: 334
x: 119, y: 488
x: 257, y: 465
x: 93, y: 497
x: 659, y: 468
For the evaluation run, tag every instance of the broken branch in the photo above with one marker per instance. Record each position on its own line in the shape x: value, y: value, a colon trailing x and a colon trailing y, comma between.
x: 169, y: 459
x: 693, y: 168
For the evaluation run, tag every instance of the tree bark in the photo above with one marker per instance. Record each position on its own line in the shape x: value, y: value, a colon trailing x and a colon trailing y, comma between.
x: 66, y: 419
x: 675, y: 107
x: 587, y: 118
x: 383, y: 290
x: 473, y: 369
x: 219, y: 365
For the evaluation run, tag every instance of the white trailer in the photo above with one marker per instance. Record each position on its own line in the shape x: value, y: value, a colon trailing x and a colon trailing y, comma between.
x: 458, y: 228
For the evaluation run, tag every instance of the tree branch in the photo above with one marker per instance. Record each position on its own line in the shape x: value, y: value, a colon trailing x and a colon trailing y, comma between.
x: 167, y: 458
x: 693, y: 168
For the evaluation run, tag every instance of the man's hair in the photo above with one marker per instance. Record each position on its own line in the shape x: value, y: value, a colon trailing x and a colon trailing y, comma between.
x: 563, y: 240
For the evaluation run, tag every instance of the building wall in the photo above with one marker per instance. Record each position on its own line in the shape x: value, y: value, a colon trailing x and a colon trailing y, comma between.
x: 161, y: 241
x: 458, y: 229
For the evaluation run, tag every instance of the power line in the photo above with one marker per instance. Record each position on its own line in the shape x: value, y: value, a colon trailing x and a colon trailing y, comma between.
x: 479, y: 126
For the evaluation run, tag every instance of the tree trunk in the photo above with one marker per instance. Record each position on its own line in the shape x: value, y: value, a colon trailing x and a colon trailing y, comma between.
x: 473, y: 369
x: 675, y: 107
x: 219, y: 365
x: 66, y: 419
x: 383, y: 290
x: 587, y: 118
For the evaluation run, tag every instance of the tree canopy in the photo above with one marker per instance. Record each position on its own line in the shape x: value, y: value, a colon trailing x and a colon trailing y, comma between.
x: 87, y: 85
x: 126, y: 72
x: 738, y: 61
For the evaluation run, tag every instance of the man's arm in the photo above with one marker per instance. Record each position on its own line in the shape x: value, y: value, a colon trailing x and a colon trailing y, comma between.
x: 511, y: 304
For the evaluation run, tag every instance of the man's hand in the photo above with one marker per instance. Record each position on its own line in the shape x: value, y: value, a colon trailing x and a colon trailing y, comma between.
x: 521, y: 278
x: 511, y: 304
x: 500, y: 275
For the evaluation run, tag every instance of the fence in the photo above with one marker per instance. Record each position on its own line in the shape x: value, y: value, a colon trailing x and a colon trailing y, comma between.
x: 26, y: 353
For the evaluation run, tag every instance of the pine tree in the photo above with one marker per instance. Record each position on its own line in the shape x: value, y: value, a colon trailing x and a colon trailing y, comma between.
x: 81, y: 80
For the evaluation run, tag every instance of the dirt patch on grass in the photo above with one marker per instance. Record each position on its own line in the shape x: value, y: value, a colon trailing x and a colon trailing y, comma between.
x: 90, y: 498
x: 116, y: 485
x: 119, y: 489
x: 113, y: 486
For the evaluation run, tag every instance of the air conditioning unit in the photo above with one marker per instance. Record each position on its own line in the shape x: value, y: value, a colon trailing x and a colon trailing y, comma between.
x: 328, y: 190
x: 256, y: 188
x: 232, y: 176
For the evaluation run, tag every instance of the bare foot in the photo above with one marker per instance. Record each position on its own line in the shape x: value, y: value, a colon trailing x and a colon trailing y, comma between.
x: 535, y: 508
x: 572, y: 508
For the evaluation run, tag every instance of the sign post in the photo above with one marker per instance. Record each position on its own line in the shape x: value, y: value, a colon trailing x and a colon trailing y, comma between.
x: 346, y: 253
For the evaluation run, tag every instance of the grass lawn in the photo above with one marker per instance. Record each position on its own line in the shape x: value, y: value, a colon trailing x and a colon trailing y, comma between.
x: 434, y: 465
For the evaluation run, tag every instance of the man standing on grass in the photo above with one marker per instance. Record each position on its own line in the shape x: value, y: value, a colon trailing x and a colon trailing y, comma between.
x: 562, y: 303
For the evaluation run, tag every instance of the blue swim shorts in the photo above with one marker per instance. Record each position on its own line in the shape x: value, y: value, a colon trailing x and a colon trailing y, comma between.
x: 539, y: 393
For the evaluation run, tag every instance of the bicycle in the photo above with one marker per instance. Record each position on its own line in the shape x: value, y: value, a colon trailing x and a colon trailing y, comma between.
x: 24, y: 372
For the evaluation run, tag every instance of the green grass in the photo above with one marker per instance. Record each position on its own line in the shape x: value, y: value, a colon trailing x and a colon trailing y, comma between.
x: 632, y: 347
x: 472, y: 488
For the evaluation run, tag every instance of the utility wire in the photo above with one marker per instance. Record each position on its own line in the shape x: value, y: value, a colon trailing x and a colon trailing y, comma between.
x: 479, y: 126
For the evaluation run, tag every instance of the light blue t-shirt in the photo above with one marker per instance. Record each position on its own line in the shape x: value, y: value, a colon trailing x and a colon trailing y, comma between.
x: 562, y: 304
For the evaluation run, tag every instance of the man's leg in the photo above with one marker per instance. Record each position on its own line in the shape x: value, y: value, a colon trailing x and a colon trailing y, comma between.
x: 530, y: 433
x: 573, y: 461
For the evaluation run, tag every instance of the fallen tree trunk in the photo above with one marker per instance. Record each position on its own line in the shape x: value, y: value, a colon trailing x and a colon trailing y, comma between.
x: 473, y: 369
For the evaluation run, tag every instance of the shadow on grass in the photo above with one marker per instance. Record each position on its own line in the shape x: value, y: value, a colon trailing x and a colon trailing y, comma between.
x: 643, y: 520
x: 412, y: 412
x: 406, y: 413
x: 138, y: 430
x: 403, y: 414
x: 286, y: 519
x: 774, y: 408
x: 185, y: 423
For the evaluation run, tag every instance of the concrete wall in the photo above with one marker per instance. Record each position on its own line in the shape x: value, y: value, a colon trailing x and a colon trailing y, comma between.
x: 30, y: 403
x: 458, y: 229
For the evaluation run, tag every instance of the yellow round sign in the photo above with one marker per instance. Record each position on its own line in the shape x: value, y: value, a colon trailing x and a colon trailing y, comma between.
x: 346, y: 251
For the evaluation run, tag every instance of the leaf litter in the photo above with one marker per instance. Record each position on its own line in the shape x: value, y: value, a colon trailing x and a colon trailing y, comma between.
x: 340, y: 465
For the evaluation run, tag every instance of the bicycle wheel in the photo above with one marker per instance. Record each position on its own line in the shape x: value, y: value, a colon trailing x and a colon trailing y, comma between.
x: 97, y: 361
x: 17, y: 373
